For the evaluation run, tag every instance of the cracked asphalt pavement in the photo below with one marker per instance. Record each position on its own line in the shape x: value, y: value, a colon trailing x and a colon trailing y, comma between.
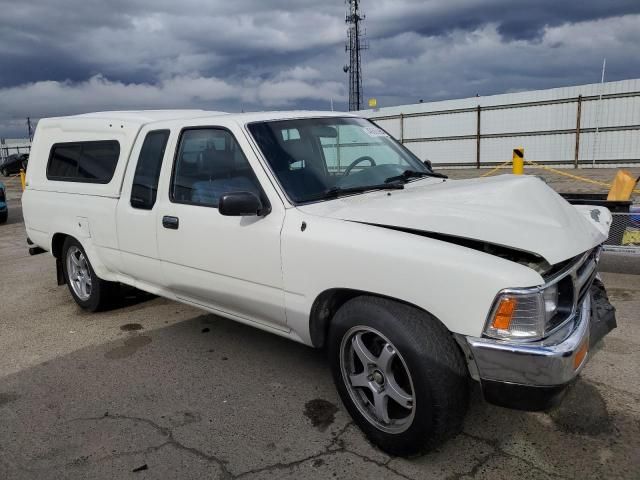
x: 156, y: 389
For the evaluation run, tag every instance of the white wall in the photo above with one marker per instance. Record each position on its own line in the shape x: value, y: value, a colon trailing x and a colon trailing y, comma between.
x: 429, y: 135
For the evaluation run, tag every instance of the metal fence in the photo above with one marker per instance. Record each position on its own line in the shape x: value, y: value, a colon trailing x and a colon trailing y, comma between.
x: 10, y: 149
x: 589, y: 124
x: 624, y: 236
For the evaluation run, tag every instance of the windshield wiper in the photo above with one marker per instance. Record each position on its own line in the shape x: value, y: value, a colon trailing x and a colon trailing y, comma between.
x: 407, y: 174
x: 335, y: 192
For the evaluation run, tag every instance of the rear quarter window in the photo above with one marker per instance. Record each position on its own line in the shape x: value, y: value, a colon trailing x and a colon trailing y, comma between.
x: 88, y: 162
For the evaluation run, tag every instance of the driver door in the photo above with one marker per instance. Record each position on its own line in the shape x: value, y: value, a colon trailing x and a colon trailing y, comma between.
x: 227, y: 264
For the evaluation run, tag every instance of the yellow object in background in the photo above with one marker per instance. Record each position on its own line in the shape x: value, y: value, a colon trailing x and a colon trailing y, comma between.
x: 373, y: 102
x: 22, y: 178
x: 518, y: 161
x: 622, y: 186
x: 631, y: 237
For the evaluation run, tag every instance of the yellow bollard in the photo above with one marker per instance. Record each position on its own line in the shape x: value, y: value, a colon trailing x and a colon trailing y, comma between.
x: 518, y: 161
x: 622, y: 187
x: 22, y: 178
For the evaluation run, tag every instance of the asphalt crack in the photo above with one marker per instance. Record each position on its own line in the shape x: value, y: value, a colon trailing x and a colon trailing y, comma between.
x: 495, y: 444
x: 142, y: 451
x: 333, y: 448
x: 171, y: 440
x: 472, y: 472
x: 283, y: 466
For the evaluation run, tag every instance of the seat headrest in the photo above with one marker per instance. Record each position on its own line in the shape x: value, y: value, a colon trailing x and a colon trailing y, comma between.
x: 216, y: 162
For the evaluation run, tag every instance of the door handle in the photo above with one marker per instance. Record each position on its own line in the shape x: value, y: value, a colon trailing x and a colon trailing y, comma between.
x: 170, y: 222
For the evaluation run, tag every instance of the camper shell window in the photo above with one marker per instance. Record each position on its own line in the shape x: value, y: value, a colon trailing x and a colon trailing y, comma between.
x: 87, y: 162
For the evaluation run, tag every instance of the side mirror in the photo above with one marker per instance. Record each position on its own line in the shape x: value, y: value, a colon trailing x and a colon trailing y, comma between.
x: 427, y: 162
x: 240, y: 204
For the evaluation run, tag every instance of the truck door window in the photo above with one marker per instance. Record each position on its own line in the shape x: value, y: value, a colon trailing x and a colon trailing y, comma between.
x: 208, y: 165
x: 145, y: 180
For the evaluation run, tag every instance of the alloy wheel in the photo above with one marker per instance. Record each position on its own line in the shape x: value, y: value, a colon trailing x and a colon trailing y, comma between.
x: 377, y: 379
x: 79, y: 273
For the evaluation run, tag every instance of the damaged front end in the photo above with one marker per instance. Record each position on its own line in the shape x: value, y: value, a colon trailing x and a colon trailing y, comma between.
x: 528, y: 259
x: 533, y: 374
x: 603, y: 314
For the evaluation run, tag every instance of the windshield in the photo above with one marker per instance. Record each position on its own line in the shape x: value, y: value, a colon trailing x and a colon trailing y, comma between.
x: 315, y: 157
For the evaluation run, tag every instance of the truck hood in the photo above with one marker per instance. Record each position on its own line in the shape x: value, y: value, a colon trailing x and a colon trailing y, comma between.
x: 519, y: 212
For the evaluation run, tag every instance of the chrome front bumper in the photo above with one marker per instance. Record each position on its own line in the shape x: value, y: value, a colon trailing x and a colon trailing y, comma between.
x: 543, y: 363
x: 544, y: 366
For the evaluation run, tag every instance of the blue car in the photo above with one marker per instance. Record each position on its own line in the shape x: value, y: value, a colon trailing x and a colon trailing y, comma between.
x: 4, y: 211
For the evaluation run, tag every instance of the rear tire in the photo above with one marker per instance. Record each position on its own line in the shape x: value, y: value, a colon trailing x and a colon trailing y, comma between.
x: 4, y: 172
x: 3, y: 217
x: 426, y: 384
x: 89, y: 291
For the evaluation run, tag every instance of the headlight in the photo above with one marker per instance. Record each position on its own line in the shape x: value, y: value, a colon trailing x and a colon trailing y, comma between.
x: 517, y: 315
x: 524, y: 314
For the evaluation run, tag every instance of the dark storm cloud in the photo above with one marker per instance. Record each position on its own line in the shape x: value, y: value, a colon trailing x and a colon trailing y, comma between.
x: 66, y: 56
x: 515, y: 19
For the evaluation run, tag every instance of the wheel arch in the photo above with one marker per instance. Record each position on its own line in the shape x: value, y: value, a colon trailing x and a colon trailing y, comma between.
x: 93, y: 252
x: 329, y: 302
x: 57, y: 242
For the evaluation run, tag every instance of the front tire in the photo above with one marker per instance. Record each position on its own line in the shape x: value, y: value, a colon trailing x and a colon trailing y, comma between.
x: 90, y: 292
x: 4, y: 172
x: 3, y: 217
x: 399, y: 373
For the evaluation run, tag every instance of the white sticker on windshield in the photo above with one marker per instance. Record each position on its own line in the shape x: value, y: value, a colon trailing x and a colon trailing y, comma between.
x: 375, y: 132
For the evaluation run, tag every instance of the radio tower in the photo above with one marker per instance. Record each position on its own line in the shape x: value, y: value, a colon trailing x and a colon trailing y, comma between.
x: 29, y: 129
x: 355, y: 44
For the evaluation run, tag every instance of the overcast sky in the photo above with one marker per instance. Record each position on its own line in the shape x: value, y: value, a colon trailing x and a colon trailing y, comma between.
x: 61, y: 57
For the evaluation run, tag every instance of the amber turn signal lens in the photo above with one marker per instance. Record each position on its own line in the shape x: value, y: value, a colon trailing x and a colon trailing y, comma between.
x: 580, y: 354
x: 504, y: 313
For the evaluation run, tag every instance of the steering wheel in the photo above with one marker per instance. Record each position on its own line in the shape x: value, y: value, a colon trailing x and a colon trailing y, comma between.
x: 364, y: 158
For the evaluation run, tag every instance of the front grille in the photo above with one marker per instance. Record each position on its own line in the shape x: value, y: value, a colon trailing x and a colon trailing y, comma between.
x: 566, y: 301
x: 584, y: 276
x: 574, y: 282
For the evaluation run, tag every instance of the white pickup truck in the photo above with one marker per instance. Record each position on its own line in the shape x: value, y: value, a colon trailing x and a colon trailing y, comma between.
x: 321, y: 228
